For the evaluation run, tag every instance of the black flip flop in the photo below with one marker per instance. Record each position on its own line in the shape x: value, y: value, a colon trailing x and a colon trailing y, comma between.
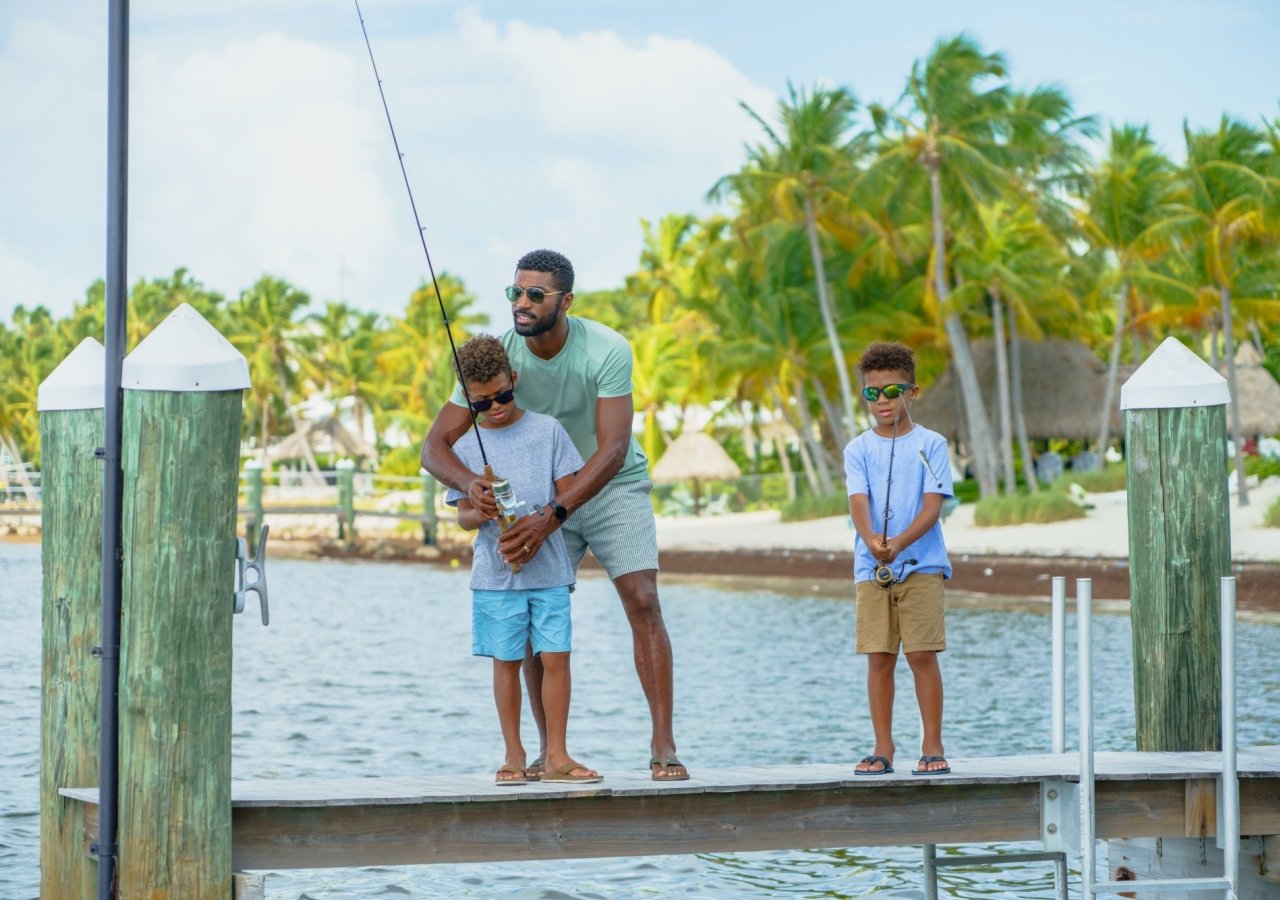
x: 887, y: 770
x: 925, y: 760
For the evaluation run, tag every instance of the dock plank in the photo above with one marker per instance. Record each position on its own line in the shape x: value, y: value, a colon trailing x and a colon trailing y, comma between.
x: 323, y: 822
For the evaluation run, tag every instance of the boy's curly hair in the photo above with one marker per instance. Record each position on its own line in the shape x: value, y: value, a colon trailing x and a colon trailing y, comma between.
x: 888, y: 356
x: 481, y: 359
x: 555, y: 264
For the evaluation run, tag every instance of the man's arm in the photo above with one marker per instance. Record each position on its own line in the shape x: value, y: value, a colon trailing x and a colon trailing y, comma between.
x: 438, y: 458
x: 613, y: 437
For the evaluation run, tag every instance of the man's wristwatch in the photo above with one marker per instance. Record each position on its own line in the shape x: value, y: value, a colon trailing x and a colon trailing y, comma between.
x: 559, y: 512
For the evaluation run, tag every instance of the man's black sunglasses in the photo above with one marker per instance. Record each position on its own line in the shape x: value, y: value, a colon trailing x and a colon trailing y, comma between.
x: 535, y: 294
x: 504, y: 398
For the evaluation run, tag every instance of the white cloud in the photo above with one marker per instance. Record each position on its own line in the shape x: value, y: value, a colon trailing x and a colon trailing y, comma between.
x: 267, y: 151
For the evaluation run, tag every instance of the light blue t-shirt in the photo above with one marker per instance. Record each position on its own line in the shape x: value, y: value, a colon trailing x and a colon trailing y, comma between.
x: 532, y: 453
x: 866, y: 471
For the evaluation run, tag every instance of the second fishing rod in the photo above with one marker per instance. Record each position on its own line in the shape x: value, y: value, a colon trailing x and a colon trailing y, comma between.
x: 502, y: 491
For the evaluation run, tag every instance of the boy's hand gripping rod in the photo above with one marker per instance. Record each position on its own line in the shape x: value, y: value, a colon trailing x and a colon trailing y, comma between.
x: 505, y: 498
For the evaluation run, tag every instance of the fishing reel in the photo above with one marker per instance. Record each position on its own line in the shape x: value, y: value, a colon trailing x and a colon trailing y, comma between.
x: 883, y: 576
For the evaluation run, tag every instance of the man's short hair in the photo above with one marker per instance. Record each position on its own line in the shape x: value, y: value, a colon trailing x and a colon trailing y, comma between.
x: 481, y: 359
x: 556, y: 264
x: 888, y: 356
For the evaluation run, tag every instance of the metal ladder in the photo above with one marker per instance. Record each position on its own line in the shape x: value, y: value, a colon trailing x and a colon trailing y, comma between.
x: 1053, y: 795
x: 1229, y: 787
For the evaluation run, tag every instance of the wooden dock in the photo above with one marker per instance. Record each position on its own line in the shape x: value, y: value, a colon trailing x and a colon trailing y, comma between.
x: 321, y: 823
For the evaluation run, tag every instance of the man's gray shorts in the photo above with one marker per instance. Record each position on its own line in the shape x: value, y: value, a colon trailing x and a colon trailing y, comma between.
x: 617, y: 525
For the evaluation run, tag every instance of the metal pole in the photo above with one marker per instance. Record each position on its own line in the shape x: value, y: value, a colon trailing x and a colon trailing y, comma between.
x: 1229, y: 821
x: 1059, y: 664
x: 930, y: 872
x: 113, y: 479
x: 1084, y: 602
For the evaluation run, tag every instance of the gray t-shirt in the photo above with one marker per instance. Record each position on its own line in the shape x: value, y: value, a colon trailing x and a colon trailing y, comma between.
x: 532, y: 454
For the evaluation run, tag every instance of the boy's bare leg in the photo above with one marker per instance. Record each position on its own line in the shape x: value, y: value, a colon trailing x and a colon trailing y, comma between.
x: 506, y: 695
x: 533, y: 685
x: 880, y: 689
x: 928, y: 678
x: 652, y: 649
x: 556, y: 688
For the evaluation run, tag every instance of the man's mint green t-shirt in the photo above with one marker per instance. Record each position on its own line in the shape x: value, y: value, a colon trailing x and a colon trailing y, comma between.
x: 594, y: 362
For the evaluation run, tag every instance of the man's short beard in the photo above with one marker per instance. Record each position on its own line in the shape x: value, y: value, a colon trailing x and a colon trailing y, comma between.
x: 539, y: 326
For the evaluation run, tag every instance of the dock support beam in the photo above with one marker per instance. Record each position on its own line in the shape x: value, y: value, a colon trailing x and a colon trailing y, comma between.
x: 181, y: 468
x: 70, y: 403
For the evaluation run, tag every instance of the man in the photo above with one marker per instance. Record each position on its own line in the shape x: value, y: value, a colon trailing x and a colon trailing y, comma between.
x: 579, y: 371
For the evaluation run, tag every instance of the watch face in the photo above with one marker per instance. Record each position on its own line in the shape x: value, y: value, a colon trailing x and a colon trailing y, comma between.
x: 560, y: 512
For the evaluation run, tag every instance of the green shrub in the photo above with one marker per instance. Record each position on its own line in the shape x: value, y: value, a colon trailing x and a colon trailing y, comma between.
x: 1021, y: 509
x: 966, y: 491
x: 1263, y: 466
x: 1103, y: 481
x: 803, y: 508
x: 1271, y: 518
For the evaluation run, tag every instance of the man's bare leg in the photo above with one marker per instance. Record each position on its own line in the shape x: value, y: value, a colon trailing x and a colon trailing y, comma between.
x: 652, y: 649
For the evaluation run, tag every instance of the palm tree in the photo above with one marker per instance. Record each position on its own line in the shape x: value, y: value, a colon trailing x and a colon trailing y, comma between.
x: 265, y: 329
x: 1011, y: 258
x: 950, y: 130
x: 343, y: 359
x: 1131, y: 191
x: 1224, y: 211
x: 800, y: 172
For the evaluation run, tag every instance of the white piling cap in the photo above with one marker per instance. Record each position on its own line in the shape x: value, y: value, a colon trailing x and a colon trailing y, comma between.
x: 78, y: 382
x: 185, y: 353
x: 1174, y: 377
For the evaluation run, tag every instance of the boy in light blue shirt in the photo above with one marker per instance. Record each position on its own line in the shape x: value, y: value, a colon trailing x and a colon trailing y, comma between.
x: 897, y: 474
x: 524, y: 600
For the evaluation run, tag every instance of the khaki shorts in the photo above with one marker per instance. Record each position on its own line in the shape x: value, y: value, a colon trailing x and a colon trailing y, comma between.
x: 617, y: 525
x: 909, y: 613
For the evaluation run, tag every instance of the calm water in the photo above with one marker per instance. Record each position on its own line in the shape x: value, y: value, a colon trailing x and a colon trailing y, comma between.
x: 365, y: 670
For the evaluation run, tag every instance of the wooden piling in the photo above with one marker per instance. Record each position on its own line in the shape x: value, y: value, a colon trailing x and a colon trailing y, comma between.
x: 182, y: 415
x: 70, y: 404
x: 1179, y: 546
x: 429, y: 523
x: 347, y: 506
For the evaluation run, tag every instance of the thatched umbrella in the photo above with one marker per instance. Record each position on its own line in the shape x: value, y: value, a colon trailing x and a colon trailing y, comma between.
x: 328, y: 436
x: 1257, y: 392
x: 695, y: 456
x: 1063, y: 387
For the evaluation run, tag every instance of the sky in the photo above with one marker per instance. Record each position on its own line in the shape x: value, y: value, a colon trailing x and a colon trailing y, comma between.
x: 258, y: 143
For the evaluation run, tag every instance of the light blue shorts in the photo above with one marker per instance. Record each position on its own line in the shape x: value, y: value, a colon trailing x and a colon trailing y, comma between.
x: 503, y: 621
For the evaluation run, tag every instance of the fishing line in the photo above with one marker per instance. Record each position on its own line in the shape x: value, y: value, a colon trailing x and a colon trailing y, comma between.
x: 422, y: 236
x: 503, y: 495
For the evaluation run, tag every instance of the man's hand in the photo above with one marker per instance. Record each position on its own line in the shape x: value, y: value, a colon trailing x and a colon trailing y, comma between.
x: 520, y: 542
x: 480, y: 493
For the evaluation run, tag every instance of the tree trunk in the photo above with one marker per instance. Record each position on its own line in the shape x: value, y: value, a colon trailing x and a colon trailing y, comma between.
x: 805, y: 462
x: 829, y: 414
x: 784, y: 459
x: 821, y: 464
x: 1113, y: 368
x: 1002, y: 394
x: 983, y: 448
x: 1019, y: 413
x: 1237, y: 435
x: 829, y: 322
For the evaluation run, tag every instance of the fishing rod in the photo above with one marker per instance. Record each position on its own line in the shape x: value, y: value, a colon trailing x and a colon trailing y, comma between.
x: 502, y: 491
x: 884, y: 573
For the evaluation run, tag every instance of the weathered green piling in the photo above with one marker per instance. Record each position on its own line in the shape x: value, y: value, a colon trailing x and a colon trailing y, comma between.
x: 182, y: 413
x: 70, y: 401
x: 1179, y: 546
x: 347, y: 505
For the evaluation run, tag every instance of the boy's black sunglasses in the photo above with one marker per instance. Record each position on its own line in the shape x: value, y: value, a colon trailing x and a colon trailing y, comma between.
x: 484, y: 405
x: 890, y: 391
x: 535, y: 294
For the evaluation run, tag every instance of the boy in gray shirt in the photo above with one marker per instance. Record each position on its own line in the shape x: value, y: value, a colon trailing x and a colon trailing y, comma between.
x: 524, y: 599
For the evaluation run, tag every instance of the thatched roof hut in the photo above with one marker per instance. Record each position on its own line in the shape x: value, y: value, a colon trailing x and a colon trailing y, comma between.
x: 1063, y: 388
x: 695, y: 456
x: 1257, y: 393
x: 325, y: 436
